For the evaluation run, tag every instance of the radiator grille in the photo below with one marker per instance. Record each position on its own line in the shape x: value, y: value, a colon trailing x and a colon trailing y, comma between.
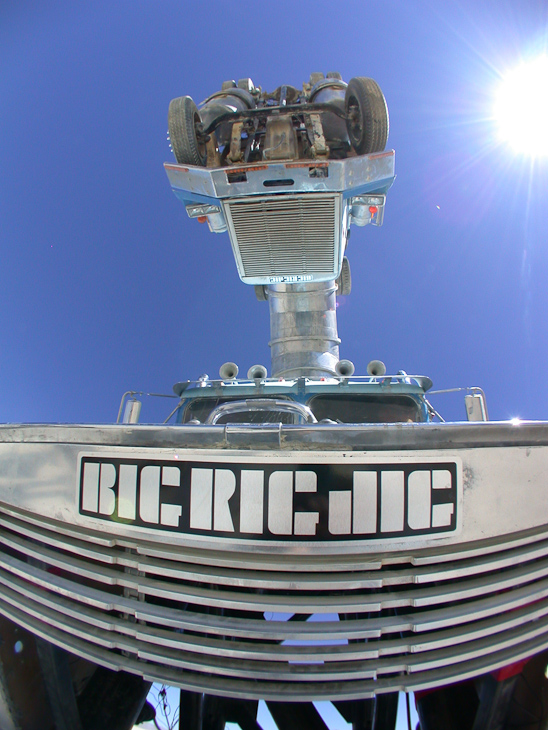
x: 286, y: 235
x: 296, y: 628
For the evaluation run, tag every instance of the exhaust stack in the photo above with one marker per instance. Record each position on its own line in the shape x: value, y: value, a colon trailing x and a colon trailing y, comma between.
x: 303, y: 329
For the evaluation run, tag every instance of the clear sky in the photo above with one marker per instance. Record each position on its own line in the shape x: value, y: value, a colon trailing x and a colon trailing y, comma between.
x: 105, y: 283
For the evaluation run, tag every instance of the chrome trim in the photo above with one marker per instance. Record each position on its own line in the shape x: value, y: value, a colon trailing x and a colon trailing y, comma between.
x: 286, y: 238
x: 322, y: 437
x: 303, y: 330
x: 261, y: 404
x: 373, y: 174
x: 390, y: 622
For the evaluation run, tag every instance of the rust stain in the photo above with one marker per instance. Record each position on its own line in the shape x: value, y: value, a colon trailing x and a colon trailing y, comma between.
x: 310, y: 165
x: 172, y: 166
x: 246, y: 168
x: 389, y: 153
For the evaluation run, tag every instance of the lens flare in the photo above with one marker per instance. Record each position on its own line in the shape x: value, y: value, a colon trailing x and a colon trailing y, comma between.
x: 521, y: 108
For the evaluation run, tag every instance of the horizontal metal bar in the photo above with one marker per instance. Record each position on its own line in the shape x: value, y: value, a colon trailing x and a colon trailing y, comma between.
x: 325, y: 437
x: 436, y: 595
x: 52, y: 539
x: 237, y: 666
x: 325, y: 630
x: 248, y: 577
x: 294, y: 690
x: 265, y: 111
x: 412, y: 436
x: 275, y: 579
x: 319, y: 603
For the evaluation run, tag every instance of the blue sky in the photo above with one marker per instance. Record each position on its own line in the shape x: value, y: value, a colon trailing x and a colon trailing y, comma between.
x: 106, y: 285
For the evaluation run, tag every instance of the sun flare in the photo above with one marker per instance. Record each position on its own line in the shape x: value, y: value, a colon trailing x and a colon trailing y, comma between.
x: 521, y: 108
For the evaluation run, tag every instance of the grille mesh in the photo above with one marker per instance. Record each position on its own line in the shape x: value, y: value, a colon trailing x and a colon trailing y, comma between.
x: 286, y: 235
x: 295, y: 628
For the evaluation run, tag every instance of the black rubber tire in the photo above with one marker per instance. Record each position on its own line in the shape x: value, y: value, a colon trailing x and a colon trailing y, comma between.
x: 366, y: 115
x: 260, y: 292
x: 344, y: 280
x: 182, y: 119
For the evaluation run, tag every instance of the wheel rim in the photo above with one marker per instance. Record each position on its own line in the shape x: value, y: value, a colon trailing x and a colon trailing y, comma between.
x: 355, y: 121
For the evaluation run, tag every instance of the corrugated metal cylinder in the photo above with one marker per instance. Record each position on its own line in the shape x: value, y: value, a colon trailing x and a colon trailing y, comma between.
x: 303, y: 329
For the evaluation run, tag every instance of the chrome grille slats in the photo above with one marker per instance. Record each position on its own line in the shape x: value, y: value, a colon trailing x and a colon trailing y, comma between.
x: 343, y: 579
x: 489, y: 564
x: 64, y: 541
x: 478, y: 630
x: 284, y: 235
x: 323, y: 602
x: 82, y: 538
x: 480, y: 549
x: 183, y: 620
x: 258, y: 577
x: 237, y: 664
x: 59, y: 560
x: 385, y: 622
x: 275, y: 579
x: 343, y: 563
x: 399, y: 676
x: 371, y: 628
x: 241, y: 649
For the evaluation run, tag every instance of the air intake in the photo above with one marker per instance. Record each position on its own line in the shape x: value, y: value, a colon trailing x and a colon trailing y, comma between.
x: 286, y: 238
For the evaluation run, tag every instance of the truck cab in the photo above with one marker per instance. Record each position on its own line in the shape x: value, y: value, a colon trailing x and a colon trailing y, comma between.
x: 367, y: 399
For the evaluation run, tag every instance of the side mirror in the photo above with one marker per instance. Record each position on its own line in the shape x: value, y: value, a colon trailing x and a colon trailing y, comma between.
x: 476, y: 408
x: 132, y: 411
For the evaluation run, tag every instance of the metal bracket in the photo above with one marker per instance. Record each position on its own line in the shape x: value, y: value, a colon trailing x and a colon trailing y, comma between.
x: 319, y: 145
x: 213, y: 156
x: 235, y: 154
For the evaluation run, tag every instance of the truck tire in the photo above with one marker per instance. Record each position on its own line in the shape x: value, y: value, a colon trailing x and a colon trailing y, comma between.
x: 366, y: 115
x: 344, y: 280
x: 260, y: 292
x: 182, y: 119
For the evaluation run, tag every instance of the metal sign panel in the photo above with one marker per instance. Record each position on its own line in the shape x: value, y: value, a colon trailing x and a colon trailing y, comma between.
x: 278, y: 500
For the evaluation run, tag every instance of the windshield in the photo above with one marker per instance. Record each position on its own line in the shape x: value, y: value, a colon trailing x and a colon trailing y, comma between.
x: 201, y: 408
x: 365, y: 408
x: 341, y: 408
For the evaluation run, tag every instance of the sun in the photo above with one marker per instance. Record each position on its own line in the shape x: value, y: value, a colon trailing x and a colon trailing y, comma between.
x: 521, y: 108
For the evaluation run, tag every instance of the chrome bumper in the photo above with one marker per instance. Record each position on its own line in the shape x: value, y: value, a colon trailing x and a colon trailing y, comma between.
x: 292, y: 619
